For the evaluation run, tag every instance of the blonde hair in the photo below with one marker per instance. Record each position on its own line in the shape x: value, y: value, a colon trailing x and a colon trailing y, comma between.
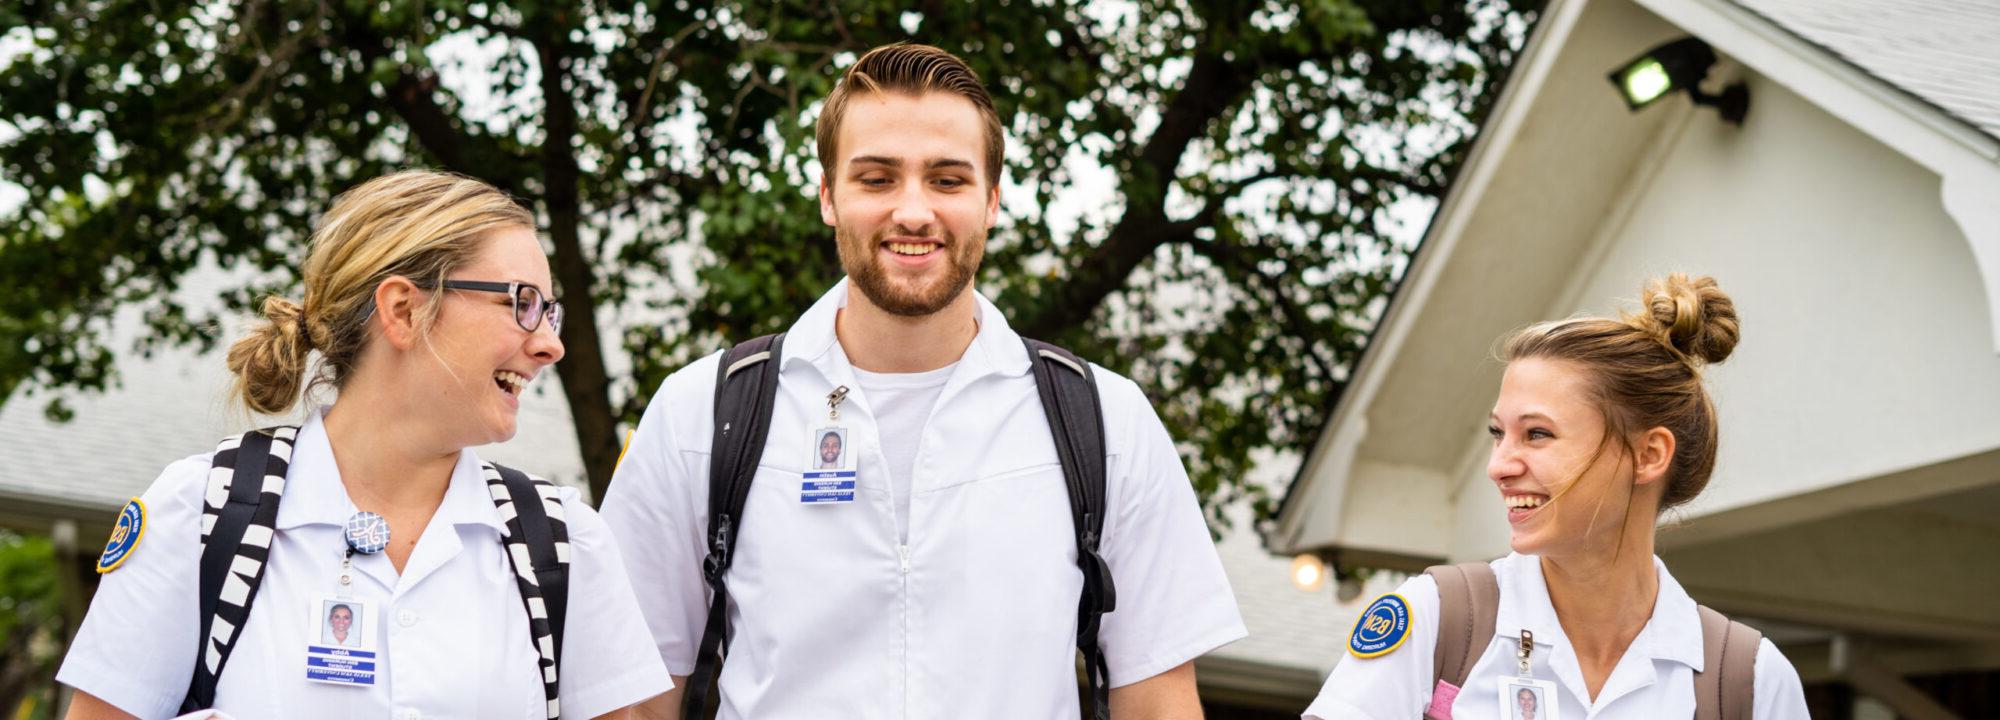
x: 417, y: 224
x: 909, y: 69
x: 1644, y: 370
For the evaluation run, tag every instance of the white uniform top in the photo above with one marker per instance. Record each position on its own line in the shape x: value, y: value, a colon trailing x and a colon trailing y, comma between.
x: 451, y: 632
x: 1654, y: 679
x: 976, y: 615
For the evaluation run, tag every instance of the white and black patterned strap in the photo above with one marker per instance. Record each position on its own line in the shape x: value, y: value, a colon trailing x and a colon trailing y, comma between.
x: 238, y: 517
x: 537, y: 541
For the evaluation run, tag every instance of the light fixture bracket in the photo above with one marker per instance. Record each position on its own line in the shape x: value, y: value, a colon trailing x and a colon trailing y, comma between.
x: 1685, y: 63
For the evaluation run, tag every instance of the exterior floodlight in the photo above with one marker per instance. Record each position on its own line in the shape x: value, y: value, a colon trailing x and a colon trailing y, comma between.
x: 1308, y: 573
x: 1678, y: 65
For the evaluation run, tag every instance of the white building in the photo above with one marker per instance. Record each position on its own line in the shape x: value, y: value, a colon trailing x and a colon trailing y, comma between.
x: 1855, y: 218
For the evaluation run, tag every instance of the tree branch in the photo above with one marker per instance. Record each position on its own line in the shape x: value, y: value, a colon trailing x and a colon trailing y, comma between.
x: 1297, y: 323
x: 1212, y: 86
x: 411, y: 97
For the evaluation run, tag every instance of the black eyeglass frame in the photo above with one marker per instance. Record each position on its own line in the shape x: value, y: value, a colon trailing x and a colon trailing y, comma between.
x: 552, y: 308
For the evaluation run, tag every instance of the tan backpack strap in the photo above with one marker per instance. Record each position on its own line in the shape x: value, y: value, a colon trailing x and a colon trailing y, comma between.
x: 1726, y: 688
x: 1468, y: 601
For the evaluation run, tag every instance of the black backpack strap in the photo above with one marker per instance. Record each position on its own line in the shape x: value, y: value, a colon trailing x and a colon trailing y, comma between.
x: 238, y: 518
x: 537, y: 540
x: 746, y: 387
x: 1076, y: 417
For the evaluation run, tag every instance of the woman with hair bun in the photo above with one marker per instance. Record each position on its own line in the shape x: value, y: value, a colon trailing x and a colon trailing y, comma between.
x: 1601, y: 425
x: 366, y: 563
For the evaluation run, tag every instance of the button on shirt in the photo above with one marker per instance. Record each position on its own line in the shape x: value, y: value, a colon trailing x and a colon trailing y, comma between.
x: 975, y: 616
x: 451, y: 629
x: 1654, y: 679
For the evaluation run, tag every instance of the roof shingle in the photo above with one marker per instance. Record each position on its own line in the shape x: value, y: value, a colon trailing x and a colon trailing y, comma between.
x: 1944, y: 52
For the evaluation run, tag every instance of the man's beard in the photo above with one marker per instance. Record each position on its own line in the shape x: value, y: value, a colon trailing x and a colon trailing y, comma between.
x: 865, y: 270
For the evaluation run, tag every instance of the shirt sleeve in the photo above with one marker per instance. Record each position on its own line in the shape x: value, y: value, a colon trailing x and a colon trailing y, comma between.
x: 1778, y: 694
x: 657, y: 508
x: 607, y: 664
x: 1390, y: 686
x: 1174, y: 603
x: 136, y: 649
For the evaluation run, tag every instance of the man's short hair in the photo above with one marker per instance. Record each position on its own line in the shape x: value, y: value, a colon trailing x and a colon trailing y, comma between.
x: 909, y: 69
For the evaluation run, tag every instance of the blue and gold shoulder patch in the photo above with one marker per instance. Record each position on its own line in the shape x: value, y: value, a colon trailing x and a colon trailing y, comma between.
x: 125, y: 536
x: 1382, y: 627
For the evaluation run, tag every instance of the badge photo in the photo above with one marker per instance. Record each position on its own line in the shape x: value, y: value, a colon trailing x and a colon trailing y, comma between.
x: 125, y: 536
x: 829, y: 474
x: 341, y: 649
x: 829, y: 451
x: 1528, y: 699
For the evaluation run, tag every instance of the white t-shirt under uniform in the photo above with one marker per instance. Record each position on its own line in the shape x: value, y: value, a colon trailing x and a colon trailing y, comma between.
x: 834, y: 614
x: 902, y: 403
x: 1654, y: 679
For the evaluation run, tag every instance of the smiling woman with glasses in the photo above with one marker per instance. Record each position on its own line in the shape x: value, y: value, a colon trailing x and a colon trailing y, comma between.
x: 372, y: 565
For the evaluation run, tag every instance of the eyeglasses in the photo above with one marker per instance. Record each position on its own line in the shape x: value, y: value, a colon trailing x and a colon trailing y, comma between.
x: 529, y: 305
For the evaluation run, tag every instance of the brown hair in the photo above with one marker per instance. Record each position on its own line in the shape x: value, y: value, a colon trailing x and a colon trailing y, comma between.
x: 1644, y: 370
x: 912, y: 70
x: 417, y: 224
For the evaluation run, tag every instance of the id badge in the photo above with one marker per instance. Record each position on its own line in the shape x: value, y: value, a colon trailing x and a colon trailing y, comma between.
x: 1528, y: 699
x: 829, y: 474
x: 341, y: 649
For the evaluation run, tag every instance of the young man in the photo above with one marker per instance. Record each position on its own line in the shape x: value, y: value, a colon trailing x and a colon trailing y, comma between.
x: 946, y: 585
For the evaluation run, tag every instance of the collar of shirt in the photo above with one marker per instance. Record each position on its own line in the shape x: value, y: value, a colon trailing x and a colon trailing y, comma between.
x: 1672, y: 634
x: 314, y: 494
x: 812, y: 340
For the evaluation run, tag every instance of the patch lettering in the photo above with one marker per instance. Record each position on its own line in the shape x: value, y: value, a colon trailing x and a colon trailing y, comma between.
x: 125, y: 536
x: 1381, y: 628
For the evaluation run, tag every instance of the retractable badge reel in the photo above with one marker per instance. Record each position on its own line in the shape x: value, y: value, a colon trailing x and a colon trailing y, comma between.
x: 341, y: 649
x: 829, y: 477
x: 1522, y: 697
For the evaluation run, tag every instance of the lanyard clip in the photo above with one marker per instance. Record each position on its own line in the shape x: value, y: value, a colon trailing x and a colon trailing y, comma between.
x: 833, y: 402
x: 1527, y: 650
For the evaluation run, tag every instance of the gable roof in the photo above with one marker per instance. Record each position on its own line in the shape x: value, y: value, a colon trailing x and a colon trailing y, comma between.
x: 1944, y: 52
x: 1937, y: 105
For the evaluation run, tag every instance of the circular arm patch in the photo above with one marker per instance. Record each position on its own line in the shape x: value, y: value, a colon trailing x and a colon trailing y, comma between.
x: 1381, y: 628
x: 125, y: 536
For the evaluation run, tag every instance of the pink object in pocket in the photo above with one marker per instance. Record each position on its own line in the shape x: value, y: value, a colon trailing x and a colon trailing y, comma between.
x: 1441, y: 699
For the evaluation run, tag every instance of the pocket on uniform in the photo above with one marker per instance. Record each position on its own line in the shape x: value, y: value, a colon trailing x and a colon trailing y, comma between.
x: 1042, y: 468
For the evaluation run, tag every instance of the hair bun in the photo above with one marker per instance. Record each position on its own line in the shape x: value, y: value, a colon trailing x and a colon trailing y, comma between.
x: 270, y: 362
x: 1693, y: 316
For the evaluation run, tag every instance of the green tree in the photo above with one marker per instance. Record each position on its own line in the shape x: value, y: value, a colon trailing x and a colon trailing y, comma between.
x: 31, y: 623
x: 1232, y: 264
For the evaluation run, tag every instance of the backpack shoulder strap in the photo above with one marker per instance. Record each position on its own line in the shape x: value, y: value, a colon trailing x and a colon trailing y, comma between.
x: 746, y: 388
x: 1468, y: 603
x: 536, y: 535
x: 1076, y: 417
x: 1726, y: 688
x: 238, y: 518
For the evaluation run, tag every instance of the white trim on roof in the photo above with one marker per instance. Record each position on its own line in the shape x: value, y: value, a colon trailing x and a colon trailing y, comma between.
x: 1965, y: 158
x: 1345, y: 430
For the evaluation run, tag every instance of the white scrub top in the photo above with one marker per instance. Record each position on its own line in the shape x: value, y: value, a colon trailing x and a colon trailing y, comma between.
x: 1655, y: 678
x: 451, y: 631
x: 975, y: 616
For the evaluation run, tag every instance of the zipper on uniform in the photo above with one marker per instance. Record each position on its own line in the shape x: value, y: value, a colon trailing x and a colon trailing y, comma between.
x: 903, y: 552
